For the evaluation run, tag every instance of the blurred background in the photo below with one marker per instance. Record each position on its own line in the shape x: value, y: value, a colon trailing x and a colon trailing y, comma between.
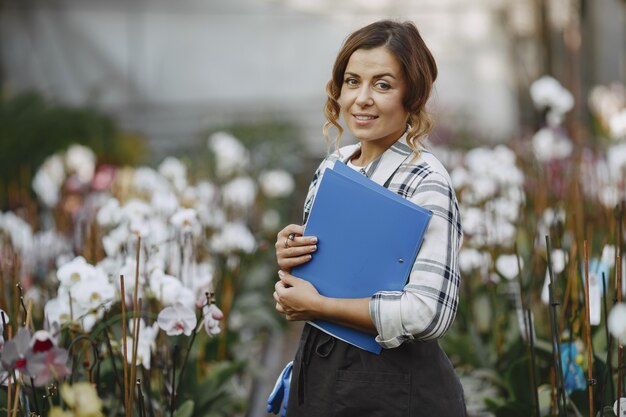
x: 138, y: 81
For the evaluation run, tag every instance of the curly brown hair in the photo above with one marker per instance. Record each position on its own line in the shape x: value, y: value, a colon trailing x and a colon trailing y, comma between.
x: 403, y: 40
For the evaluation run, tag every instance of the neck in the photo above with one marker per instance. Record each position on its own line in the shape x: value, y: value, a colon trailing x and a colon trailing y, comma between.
x: 370, y: 151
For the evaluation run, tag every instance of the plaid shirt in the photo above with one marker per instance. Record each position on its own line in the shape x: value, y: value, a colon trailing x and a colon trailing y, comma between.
x: 427, y: 305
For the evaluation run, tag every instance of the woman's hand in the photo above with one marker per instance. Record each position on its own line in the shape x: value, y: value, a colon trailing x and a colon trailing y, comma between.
x: 293, y: 249
x: 296, y: 298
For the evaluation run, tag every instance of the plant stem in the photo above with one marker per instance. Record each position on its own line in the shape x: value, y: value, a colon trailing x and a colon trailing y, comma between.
x: 124, y: 344
x: 110, y: 349
x: 590, y: 380
x: 173, y: 393
x: 556, y: 346
x: 133, y: 369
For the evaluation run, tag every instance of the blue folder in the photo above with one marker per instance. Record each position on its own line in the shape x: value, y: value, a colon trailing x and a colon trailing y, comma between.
x: 368, y: 238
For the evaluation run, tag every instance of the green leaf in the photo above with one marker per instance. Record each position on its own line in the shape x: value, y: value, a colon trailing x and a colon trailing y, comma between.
x: 185, y: 410
x: 517, y: 379
x: 514, y: 409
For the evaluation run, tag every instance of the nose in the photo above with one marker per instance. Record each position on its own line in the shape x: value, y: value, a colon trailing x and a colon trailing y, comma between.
x: 364, y: 98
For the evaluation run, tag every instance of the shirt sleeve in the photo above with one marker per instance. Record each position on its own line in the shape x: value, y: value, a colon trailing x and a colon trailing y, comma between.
x: 426, y: 307
x: 308, y: 201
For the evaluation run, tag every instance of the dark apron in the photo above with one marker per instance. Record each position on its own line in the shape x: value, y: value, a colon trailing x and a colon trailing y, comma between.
x: 332, y: 378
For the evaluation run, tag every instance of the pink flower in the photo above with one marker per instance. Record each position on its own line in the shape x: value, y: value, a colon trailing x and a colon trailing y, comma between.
x: 48, y: 365
x: 212, y: 316
x: 17, y: 350
x: 177, y: 319
x: 42, y: 341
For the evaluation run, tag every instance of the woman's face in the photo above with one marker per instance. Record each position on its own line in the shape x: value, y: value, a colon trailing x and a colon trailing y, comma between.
x: 371, y: 96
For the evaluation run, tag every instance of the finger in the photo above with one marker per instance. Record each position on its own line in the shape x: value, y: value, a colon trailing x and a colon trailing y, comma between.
x: 275, y: 295
x: 289, y: 229
x: 288, y: 263
x: 295, y: 251
x: 302, y: 241
x: 278, y: 287
x: 279, y: 308
x: 287, y: 279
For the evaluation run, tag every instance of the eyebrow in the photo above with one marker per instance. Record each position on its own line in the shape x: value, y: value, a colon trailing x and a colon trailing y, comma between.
x: 386, y: 74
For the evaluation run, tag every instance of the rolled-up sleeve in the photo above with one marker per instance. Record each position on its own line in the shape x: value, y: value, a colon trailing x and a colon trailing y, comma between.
x: 426, y: 307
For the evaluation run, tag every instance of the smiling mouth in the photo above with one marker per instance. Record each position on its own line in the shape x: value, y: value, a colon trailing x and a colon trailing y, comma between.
x: 364, y: 117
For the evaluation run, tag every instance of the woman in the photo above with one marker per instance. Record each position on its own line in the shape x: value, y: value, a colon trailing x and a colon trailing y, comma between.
x: 380, y: 84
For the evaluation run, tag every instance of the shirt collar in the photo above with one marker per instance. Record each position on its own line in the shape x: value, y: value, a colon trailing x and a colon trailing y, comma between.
x: 383, y: 167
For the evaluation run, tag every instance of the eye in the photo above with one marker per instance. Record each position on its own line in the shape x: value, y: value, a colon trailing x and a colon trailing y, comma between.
x: 351, y: 81
x: 382, y: 85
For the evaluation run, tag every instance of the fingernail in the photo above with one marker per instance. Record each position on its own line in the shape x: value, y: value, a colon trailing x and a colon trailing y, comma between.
x: 313, y: 248
x: 313, y: 240
x: 281, y: 274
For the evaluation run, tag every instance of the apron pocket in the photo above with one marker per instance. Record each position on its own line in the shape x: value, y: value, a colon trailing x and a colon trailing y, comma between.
x: 372, y: 394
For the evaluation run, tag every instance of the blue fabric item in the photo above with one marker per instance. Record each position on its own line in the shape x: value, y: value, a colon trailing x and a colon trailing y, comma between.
x: 277, y: 401
x: 572, y: 372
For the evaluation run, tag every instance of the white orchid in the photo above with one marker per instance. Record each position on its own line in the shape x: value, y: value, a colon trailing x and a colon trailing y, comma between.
x: 501, y: 232
x: 205, y: 192
x: 159, y: 234
x: 460, y: 177
x: 617, y: 322
x: 164, y: 202
x: 616, y: 158
x: 129, y: 271
x: 472, y: 220
x: 609, y: 195
x: 91, y: 295
x: 239, y: 193
x: 147, y: 180
x: 115, y: 240
x: 480, y: 189
x: 547, y: 92
x: 507, y: 265
x: 169, y: 290
x: 487, y: 172
x: 81, y: 160
x: 276, y: 183
x: 234, y: 237
x: 175, y: 172
x: 78, y: 270
x: 146, y: 343
x: 211, y: 216
x: 471, y: 259
x: 607, y: 101
x: 608, y: 255
x: 177, y: 319
x: 186, y: 220
x: 110, y: 214
x: 617, y: 125
x: 559, y: 259
x: 549, y: 144
x: 230, y: 155
x: 202, y: 274
x: 19, y: 232
x: 504, y: 208
x: 64, y: 310
x: 49, y: 179
x: 211, y: 316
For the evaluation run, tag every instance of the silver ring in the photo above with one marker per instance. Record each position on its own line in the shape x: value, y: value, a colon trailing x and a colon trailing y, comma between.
x: 291, y: 236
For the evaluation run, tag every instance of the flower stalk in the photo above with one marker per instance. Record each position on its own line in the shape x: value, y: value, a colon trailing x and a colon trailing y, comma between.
x: 590, y: 380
